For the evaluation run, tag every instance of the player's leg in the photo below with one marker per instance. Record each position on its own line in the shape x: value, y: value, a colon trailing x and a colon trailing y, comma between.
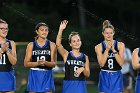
x: 49, y: 92
x: 32, y: 92
x: 10, y: 92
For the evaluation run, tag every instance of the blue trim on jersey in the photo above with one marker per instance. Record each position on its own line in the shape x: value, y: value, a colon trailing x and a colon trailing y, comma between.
x: 115, y: 43
x: 137, y: 86
x: 74, y: 86
x: 139, y: 52
x: 46, y: 43
x: 110, y: 82
x: 9, y: 42
x: 7, y: 81
x: 10, y: 46
x: 104, y: 45
x: 80, y: 56
x: 40, y: 81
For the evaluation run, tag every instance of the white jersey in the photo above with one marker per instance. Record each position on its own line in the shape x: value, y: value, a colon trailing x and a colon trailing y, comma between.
x: 127, y: 59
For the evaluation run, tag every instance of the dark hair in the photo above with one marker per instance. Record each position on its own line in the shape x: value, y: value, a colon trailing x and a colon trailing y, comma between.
x: 72, y: 34
x: 107, y: 24
x: 2, y: 21
x: 39, y: 25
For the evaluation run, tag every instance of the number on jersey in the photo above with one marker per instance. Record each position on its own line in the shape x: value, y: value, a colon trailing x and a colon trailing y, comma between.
x: 2, y: 59
x: 110, y: 63
x: 41, y: 58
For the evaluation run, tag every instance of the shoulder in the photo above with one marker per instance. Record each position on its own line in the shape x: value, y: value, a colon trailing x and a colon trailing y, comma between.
x: 121, y: 45
x: 12, y: 42
x: 30, y: 45
x: 83, y: 54
x: 52, y: 44
x: 86, y: 56
x: 98, y: 46
x: 136, y: 50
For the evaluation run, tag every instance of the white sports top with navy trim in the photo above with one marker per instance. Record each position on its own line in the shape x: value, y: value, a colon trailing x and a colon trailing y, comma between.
x: 72, y: 64
x: 41, y: 53
x: 5, y: 64
x: 111, y: 63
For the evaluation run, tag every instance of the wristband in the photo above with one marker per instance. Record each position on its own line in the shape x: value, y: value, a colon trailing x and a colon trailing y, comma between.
x: 115, y: 52
x: 7, y: 50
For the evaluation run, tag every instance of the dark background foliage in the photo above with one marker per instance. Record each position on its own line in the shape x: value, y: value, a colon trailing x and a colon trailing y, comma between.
x: 84, y: 16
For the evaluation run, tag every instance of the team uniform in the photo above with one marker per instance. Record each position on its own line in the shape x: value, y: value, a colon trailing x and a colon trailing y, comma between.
x: 40, y: 78
x: 111, y: 79
x: 7, y: 77
x: 137, y: 88
x: 73, y: 83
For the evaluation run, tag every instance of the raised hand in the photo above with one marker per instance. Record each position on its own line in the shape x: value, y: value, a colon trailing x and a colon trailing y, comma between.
x: 109, y: 44
x: 63, y: 24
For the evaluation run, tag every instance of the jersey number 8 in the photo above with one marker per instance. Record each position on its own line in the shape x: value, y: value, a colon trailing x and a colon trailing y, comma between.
x: 110, y: 63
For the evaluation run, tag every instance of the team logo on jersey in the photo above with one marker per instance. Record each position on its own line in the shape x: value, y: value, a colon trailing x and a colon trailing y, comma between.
x: 41, y: 52
x: 75, y: 62
x: 110, y: 55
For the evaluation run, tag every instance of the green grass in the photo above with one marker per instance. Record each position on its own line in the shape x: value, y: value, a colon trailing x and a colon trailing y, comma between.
x: 92, y: 88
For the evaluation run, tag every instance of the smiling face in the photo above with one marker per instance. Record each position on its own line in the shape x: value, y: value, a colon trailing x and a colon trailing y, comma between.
x: 3, y: 30
x: 42, y: 32
x: 75, y: 42
x: 108, y: 34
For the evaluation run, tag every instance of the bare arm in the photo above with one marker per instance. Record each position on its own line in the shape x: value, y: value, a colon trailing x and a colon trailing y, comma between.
x: 101, y: 57
x: 28, y: 57
x: 63, y: 52
x: 87, y: 70
x: 135, y: 59
x: 53, y: 56
x: 119, y: 56
x: 11, y: 53
x: 84, y: 69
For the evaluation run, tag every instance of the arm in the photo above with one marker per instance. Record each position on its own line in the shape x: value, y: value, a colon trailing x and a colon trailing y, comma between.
x: 28, y: 57
x: 63, y: 52
x: 135, y: 59
x: 84, y: 69
x: 119, y: 56
x: 11, y: 53
x: 53, y: 56
x: 101, y: 57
